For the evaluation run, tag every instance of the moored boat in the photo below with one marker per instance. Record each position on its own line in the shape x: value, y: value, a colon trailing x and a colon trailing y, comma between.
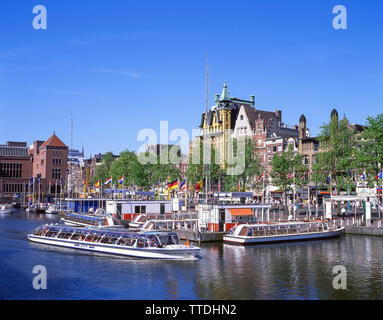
x: 187, y: 224
x: 89, y: 220
x: 281, y: 232
x: 53, y: 209
x: 154, y: 245
x: 6, y: 208
x: 36, y: 208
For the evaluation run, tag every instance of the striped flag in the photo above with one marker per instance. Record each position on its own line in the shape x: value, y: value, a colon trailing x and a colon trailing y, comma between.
x: 199, y: 185
x: 109, y: 180
x: 173, y: 185
x: 183, y: 185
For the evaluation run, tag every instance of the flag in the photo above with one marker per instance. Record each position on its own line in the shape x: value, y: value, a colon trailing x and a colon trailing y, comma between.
x: 108, y: 180
x: 290, y: 175
x: 97, y: 184
x: 329, y: 178
x: 363, y: 175
x: 121, y: 180
x: 183, y: 185
x: 173, y: 185
x: 379, y: 176
x: 199, y: 185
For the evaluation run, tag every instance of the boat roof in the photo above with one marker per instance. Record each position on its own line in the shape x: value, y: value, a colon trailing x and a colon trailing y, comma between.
x: 86, y: 230
x: 86, y: 216
x: 279, y: 224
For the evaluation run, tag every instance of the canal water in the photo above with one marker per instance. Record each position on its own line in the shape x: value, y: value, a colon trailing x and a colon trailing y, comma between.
x: 280, y: 271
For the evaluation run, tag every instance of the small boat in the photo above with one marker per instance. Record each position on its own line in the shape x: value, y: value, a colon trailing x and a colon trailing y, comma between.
x: 281, y: 232
x: 154, y: 245
x: 36, y: 208
x: 53, y: 209
x: 6, y: 208
x: 89, y: 220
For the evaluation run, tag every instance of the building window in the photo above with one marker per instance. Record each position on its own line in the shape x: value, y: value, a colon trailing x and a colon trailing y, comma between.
x: 10, y: 169
x: 241, y: 117
x: 139, y: 209
x: 56, y: 174
x: 56, y: 162
x: 280, y: 148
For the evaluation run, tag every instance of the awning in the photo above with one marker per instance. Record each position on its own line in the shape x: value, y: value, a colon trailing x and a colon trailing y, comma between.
x: 241, y: 212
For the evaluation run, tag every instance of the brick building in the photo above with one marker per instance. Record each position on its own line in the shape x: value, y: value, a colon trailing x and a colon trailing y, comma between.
x: 49, y: 163
x: 15, y: 169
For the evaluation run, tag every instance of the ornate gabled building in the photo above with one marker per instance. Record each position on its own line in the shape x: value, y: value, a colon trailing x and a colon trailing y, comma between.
x: 236, y: 118
x: 268, y: 132
x: 217, y: 124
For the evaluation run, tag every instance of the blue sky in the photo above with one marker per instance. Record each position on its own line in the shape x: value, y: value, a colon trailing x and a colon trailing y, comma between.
x: 120, y: 66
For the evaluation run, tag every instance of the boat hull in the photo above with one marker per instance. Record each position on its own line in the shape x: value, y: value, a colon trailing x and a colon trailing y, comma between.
x: 7, y: 211
x: 243, y: 240
x: 151, y: 253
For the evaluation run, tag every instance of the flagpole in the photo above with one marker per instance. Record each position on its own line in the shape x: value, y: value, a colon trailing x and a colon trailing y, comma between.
x: 294, y: 208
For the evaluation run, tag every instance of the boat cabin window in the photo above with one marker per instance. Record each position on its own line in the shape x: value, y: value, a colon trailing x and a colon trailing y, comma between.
x: 152, y: 241
x: 169, y: 239
x: 141, y: 241
x: 243, y: 232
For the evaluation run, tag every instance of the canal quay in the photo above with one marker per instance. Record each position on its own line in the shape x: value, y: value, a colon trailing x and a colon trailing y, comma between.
x: 294, y: 270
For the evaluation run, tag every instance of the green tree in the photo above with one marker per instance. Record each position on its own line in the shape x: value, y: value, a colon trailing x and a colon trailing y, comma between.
x: 245, y: 168
x: 336, y: 157
x: 102, y: 171
x: 288, y: 171
x: 370, y: 148
x: 195, y: 171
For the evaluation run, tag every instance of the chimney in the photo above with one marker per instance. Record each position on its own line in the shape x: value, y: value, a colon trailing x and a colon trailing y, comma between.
x: 278, y: 114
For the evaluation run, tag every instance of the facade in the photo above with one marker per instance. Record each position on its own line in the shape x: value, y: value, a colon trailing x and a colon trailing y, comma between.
x: 15, y: 169
x: 217, y: 124
x: 308, y: 146
x: 76, y: 179
x: 268, y: 132
x: 49, y: 164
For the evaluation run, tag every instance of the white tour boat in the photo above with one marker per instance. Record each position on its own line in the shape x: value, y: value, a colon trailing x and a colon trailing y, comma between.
x: 281, y: 232
x: 155, y: 244
x: 89, y: 220
x: 6, y: 208
x: 171, y: 224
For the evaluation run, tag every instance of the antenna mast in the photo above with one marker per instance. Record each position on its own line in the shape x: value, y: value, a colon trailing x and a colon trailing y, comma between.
x: 206, y: 166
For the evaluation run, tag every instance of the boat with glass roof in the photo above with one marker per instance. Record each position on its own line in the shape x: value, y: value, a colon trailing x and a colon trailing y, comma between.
x: 90, y: 220
x: 154, y: 244
x: 282, y: 232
